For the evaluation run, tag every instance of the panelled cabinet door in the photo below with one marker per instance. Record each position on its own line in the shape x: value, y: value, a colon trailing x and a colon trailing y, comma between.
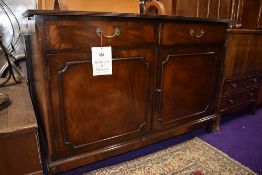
x: 185, y: 87
x: 92, y: 112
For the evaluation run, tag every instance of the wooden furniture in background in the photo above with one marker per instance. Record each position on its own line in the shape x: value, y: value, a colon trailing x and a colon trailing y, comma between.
x: 245, y: 14
x: 243, y: 68
x: 126, y: 6
x: 19, y: 149
x: 248, y: 15
x: 243, y: 63
x: 215, y: 9
x: 166, y: 72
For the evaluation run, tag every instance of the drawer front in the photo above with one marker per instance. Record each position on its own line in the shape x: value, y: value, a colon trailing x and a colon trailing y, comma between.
x: 69, y: 34
x: 233, y: 85
x: 238, y: 98
x: 181, y: 33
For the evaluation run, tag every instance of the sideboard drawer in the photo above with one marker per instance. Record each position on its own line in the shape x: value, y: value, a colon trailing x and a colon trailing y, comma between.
x: 69, y: 34
x: 191, y: 33
x: 232, y: 85
x: 238, y: 98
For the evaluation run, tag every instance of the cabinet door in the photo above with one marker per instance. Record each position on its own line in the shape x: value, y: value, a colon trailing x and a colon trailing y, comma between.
x: 186, y: 87
x: 93, y: 112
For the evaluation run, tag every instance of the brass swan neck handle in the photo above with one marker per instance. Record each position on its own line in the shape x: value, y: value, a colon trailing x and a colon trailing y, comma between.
x: 99, y: 32
x: 193, y: 33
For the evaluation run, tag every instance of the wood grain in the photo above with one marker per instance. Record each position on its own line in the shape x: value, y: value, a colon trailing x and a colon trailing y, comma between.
x: 243, y: 53
x: 19, y: 149
x: 20, y: 106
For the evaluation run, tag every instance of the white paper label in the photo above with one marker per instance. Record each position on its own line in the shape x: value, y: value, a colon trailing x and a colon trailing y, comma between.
x: 102, y: 60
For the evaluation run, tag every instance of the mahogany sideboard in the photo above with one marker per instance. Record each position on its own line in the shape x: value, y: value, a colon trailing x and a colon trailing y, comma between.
x: 166, y: 79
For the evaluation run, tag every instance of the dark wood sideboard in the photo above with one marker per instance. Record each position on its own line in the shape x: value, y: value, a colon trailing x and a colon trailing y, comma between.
x: 165, y: 81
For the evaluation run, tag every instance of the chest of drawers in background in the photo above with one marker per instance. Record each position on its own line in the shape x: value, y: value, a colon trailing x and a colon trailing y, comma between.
x: 243, y: 65
x: 239, y: 91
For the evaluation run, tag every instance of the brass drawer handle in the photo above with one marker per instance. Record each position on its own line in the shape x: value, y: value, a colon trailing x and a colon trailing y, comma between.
x: 231, y: 101
x: 234, y: 85
x: 193, y: 33
x: 99, y: 32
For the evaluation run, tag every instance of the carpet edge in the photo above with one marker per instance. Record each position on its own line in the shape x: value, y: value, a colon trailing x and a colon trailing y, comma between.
x: 226, y: 155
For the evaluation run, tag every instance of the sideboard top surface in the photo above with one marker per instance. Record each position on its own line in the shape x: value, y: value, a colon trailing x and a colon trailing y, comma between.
x: 30, y: 13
